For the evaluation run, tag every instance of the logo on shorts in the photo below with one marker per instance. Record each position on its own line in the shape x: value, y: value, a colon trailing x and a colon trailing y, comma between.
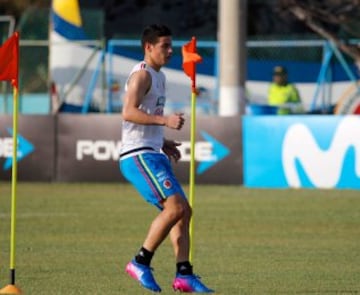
x: 167, y: 184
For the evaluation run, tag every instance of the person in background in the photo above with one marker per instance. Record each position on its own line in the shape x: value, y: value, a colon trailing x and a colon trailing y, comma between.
x: 283, y: 94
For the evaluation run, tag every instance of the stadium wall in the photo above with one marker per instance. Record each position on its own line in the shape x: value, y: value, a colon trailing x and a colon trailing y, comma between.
x: 257, y: 151
x: 73, y: 147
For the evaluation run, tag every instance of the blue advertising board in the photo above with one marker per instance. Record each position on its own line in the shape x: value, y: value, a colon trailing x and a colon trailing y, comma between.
x: 301, y: 151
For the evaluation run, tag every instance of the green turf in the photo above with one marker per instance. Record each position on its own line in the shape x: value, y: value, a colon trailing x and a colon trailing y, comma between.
x: 77, y: 238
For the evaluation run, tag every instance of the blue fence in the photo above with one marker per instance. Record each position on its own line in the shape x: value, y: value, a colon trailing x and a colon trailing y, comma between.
x: 319, y: 66
x: 119, y: 47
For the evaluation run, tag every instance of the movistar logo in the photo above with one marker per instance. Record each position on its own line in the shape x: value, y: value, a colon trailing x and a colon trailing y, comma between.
x: 6, y: 149
x: 208, y: 153
x: 323, y: 167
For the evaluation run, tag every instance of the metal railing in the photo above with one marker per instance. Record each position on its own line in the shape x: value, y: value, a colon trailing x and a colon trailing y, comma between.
x: 35, y: 72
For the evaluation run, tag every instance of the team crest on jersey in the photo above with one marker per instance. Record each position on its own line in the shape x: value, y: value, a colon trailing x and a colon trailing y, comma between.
x: 167, y: 184
x: 160, y: 101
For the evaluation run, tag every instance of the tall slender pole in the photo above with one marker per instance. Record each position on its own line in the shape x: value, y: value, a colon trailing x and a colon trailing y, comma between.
x: 192, y: 167
x: 232, y: 70
x: 11, y: 288
x: 192, y: 155
x: 14, y: 187
x: 190, y: 58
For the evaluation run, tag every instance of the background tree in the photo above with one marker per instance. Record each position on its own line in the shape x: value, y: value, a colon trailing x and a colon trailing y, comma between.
x: 17, y: 7
x: 335, y: 20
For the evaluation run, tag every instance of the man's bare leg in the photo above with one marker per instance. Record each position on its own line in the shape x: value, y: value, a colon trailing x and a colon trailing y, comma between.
x: 180, y: 237
x: 175, y: 209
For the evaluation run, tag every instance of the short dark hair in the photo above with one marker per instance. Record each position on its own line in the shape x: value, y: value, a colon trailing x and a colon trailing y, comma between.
x: 280, y: 71
x: 152, y: 32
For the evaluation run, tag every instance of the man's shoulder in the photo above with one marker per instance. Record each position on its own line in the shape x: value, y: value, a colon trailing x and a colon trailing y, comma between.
x: 274, y: 86
x: 140, y: 69
x: 292, y: 86
x: 139, y: 66
x: 139, y: 75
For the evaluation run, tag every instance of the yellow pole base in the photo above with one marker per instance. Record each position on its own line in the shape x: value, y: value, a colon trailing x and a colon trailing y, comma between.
x: 10, y: 289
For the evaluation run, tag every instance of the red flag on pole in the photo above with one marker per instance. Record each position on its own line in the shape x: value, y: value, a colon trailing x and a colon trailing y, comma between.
x: 9, y: 60
x: 9, y: 71
x: 190, y: 58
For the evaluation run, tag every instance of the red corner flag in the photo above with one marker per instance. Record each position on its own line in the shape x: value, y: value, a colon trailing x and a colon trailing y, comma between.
x: 190, y: 58
x: 9, y: 60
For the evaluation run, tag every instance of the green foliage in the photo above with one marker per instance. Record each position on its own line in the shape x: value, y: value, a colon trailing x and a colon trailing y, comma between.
x: 77, y: 238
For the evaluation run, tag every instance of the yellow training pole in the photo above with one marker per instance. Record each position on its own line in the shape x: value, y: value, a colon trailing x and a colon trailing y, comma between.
x: 11, y: 288
x: 190, y: 58
x: 192, y: 168
x: 14, y: 180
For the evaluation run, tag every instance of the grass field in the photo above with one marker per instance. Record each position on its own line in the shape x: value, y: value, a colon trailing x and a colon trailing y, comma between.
x: 77, y: 238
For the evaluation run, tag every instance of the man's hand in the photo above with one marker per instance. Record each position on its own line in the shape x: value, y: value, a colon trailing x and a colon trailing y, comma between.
x: 175, y: 121
x: 170, y: 149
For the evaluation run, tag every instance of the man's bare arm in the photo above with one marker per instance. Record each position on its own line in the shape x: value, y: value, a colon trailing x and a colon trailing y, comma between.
x: 138, y: 85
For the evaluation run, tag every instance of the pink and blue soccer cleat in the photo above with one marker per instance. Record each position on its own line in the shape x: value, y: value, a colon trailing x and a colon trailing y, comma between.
x: 143, y: 274
x: 189, y: 284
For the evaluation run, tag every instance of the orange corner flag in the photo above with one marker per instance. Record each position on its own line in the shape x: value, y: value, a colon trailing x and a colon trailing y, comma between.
x: 190, y: 58
x: 9, y: 60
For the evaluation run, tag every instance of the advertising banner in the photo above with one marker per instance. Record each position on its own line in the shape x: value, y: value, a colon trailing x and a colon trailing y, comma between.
x: 88, y: 149
x: 218, y: 150
x: 36, y: 147
x: 302, y: 151
x: 73, y: 147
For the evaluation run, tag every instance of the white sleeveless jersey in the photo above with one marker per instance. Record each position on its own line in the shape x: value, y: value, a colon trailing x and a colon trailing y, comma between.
x: 137, y: 136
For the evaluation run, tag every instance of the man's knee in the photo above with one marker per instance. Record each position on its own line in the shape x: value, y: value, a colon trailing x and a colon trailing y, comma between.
x: 188, y: 212
x: 178, y: 207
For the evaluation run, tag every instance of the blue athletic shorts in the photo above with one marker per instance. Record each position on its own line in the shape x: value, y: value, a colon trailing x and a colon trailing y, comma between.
x: 152, y: 175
